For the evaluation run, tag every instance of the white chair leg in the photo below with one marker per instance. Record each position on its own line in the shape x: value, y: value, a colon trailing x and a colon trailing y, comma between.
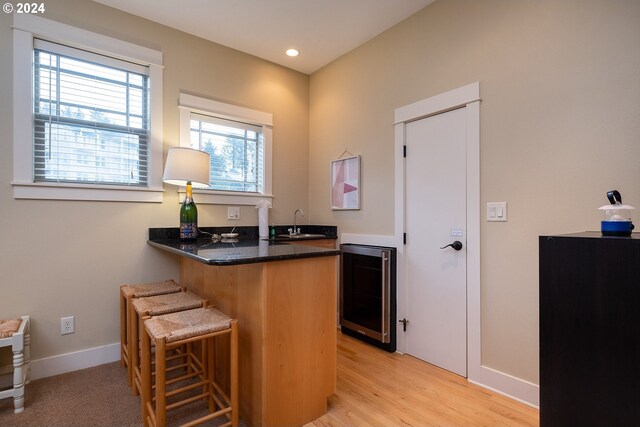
x: 27, y: 355
x: 18, y: 381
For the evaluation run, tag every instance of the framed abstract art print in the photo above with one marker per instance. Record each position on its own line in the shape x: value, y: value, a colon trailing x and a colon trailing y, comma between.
x: 345, y: 183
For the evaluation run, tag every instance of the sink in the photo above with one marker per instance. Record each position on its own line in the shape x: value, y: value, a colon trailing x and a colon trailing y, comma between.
x: 301, y: 236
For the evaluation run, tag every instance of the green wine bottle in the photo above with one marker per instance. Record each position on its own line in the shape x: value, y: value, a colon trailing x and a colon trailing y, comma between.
x: 188, y: 217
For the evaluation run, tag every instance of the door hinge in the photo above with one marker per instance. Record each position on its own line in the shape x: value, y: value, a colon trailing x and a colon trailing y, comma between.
x: 404, y: 238
x: 404, y: 151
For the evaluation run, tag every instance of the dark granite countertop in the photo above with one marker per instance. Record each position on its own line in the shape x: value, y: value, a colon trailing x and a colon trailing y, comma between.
x: 250, y: 232
x: 302, y: 237
x: 241, y: 251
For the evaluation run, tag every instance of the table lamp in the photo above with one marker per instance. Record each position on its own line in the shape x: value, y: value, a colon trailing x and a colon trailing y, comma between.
x: 189, y: 167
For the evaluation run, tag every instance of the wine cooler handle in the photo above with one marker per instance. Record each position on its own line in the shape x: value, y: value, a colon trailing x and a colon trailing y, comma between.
x: 386, y: 296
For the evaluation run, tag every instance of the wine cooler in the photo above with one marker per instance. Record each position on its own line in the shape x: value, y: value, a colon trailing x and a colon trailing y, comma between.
x: 368, y: 294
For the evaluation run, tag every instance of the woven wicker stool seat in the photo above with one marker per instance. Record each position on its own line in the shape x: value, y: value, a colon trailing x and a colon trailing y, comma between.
x: 9, y: 327
x: 155, y: 306
x: 165, y: 304
x: 201, y: 325
x: 15, y: 333
x: 142, y: 290
x: 128, y: 293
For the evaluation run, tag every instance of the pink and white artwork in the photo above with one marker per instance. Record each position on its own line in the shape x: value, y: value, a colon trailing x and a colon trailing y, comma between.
x: 345, y: 183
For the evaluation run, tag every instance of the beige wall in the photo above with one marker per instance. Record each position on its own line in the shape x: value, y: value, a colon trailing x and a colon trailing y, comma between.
x: 68, y: 258
x: 560, y: 125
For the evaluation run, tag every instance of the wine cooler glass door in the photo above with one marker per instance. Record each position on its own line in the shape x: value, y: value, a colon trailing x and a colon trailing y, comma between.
x: 365, y: 293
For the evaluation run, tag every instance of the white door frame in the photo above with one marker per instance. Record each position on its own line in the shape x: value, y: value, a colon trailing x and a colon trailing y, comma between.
x: 468, y: 97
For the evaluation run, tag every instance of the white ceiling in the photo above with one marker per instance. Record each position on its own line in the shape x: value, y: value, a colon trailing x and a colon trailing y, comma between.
x: 322, y: 30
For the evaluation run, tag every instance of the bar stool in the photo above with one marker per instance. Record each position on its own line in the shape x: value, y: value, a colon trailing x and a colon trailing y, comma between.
x: 15, y: 333
x: 169, y: 331
x: 127, y: 294
x: 143, y: 308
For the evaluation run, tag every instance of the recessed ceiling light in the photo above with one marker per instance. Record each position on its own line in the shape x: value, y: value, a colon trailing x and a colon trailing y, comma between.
x: 292, y: 52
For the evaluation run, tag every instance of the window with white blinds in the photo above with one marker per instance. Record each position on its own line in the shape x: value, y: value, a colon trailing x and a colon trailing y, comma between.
x: 240, y: 143
x: 90, y: 118
x: 236, y: 150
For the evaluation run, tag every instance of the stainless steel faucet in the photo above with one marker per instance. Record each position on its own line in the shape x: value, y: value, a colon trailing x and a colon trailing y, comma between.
x: 296, y: 230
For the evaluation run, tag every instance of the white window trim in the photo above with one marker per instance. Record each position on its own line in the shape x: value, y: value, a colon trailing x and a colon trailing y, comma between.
x: 25, y: 28
x: 194, y: 104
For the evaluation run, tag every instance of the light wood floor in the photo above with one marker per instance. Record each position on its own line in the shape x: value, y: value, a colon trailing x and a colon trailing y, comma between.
x: 376, y: 388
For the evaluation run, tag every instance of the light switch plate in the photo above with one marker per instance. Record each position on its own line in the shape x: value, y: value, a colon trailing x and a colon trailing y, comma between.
x: 233, y: 212
x: 497, y: 211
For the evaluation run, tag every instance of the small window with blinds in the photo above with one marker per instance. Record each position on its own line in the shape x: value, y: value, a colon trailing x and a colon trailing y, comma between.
x: 91, y: 118
x: 236, y: 150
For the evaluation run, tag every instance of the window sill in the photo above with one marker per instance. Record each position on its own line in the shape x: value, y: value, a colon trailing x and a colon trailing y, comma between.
x: 208, y: 197
x: 103, y: 193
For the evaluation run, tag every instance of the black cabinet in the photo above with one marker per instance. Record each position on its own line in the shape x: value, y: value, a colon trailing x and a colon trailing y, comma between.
x: 589, y: 330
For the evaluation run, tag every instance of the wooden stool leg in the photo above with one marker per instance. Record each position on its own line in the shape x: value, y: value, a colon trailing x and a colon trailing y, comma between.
x: 161, y: 384
x: 129, y: 345
x: 189, y: 349
x: 204, y: 357
x: 123, y: 328
x: 145, y: 374
x: 136, y: 333
x: 234, y: 373
x: 211, y: 372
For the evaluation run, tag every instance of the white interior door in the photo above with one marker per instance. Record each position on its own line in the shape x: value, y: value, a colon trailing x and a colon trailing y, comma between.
x: 435, y: 216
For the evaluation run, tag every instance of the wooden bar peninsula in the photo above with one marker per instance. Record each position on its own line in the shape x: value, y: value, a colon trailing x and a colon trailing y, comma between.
x: 284, y: 297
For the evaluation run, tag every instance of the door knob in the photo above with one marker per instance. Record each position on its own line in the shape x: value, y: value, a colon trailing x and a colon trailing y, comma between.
x: 457, y: 245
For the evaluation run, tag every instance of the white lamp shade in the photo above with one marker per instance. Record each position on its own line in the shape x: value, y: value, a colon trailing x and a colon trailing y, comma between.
x: 186, y: 164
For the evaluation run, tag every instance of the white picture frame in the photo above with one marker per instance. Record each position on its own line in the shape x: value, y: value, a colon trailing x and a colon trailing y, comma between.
x: 345, y: 183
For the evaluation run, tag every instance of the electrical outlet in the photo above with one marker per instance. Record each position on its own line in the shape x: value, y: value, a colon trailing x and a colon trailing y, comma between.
x: 67, y: 325
x: 233, y: 212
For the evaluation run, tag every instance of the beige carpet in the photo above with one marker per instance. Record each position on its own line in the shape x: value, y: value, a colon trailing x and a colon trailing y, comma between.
x: 91, y: 397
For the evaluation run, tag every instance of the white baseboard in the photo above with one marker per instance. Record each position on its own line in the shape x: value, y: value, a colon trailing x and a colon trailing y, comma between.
x: 508, y: 385
x: 55, y: 365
